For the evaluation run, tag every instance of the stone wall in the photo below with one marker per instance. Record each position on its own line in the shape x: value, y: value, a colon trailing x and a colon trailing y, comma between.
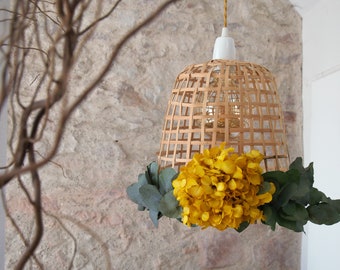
x: 116, y: 133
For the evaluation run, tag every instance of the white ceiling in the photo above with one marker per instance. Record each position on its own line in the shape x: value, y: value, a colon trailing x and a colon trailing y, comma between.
x: 302, y: 6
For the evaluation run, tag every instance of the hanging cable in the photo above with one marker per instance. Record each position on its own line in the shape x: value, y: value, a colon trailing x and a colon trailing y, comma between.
x: 225, y: 12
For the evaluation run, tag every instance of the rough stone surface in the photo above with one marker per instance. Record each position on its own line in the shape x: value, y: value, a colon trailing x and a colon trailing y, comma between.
x: 116, y: 133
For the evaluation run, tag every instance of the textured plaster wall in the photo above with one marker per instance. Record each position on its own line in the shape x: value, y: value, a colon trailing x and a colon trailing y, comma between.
x: 116, y: 133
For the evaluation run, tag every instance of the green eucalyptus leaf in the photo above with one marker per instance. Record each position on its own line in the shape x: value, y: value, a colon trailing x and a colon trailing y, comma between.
x: 292, y: 175
x: 169, y: 206
x: 134, y: 195
x: 279, y: 178
x: 296, y: 226
x: 294, y: 212
x: 154, y: 216
x: 142, y: 179
x: 297, y: 164
x: 148, y: 177
x: 302, y: 192
x: 141, y: 207
x: 180, y: 219
x: 289, y: 209
x: 309, y: 172
x: 165, y: 180
x: 270, y: 216
x: 306, y: 174
x: 304, y: 178
x: 316, y: 196
x: 244, y: 225
x: 285, y: 194
x: 323, y: 213
x: 152, y: 170
x: 265, y: 187
x: 150, y: 196
x: 300, y: 225
x: 335, y: 204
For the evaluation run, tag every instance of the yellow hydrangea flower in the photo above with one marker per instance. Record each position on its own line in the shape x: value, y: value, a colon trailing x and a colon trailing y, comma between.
x: 219, y: 188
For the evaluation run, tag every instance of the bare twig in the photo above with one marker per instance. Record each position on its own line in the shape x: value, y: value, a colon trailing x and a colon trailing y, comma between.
x: 17, y: 228
x: 53, y: 34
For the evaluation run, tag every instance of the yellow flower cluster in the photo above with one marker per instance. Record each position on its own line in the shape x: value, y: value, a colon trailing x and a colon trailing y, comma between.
x: 220, y: 188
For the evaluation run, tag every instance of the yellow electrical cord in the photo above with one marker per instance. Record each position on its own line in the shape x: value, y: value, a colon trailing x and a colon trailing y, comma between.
x: 225, y: 12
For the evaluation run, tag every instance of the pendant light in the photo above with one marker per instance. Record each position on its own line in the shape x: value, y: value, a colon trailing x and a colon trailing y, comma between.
x: 224, y: 100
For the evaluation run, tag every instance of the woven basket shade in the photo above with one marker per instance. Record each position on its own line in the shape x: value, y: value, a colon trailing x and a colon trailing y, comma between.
x: 224, y: 101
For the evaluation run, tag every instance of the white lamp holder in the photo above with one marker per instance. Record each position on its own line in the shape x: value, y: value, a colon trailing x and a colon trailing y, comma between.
x: 224, y: 47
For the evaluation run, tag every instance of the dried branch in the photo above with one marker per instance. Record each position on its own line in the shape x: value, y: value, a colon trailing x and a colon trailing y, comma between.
x: 61, y: 86
x: 74, y: 240
x: 54, y: 35
x: 17, y: 228
x: 100, y: 19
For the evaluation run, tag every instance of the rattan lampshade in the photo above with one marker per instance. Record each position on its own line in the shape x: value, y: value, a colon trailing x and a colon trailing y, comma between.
x: 224, y: 101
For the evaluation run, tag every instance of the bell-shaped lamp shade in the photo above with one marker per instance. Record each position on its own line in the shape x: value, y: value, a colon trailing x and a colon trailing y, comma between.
x: 224, y: 101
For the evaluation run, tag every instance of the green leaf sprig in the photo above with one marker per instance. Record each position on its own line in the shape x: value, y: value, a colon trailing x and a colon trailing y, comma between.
x: 154, y: 192
x: 296, y: 201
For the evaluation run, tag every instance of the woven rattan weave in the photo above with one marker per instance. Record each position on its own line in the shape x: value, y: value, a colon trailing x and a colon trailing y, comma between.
x: 224, y: 101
